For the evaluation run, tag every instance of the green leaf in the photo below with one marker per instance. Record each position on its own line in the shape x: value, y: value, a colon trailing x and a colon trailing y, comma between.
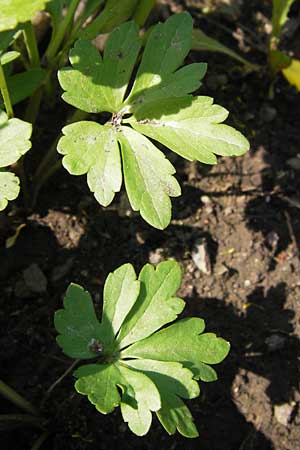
x: 148, y: 178
x: 120, y: 293
x: 165, y: 50
x: 147, y: 399
x: 159, y: 368
x: 184, y: 81
x: 78, y: 325
x: 9, y: 188
x: 155, y: 305
x: 8, y: 57
x: 18, y: 11
x: 14, y: 139
x: 203, y: 42
x: 96, y: 85
x: 113, y: 14
x: 99, y: 382
x: 182, y: 342
x: 6, y: 38
x: 23, y: 85
x: 190, y: 126
x: 173, y: 381
x: 279, y: 15
x: 93, y: 149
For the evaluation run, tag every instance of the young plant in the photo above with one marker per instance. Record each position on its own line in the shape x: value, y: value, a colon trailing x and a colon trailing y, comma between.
x: 159, y: 106
x: 137, y: 364
x: 16, y: 30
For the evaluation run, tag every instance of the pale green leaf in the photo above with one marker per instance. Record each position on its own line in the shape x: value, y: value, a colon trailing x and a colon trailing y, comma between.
x: 96, y: 85
x: 173, y: 381
x: 9, y: 188
x: 14, y: 139
x: 182, y: 342
x: 183, y: 81
x: 175, y: 415
x: 92, y: 149
x: 99, y: 382
x: 155, y: 305
x: 77, y: 324
x: 148, y: 178
x: 147, y: 399
x: 18, y: 11
x: 121, y: 290
x: 8, y: 57
x: 165, y: 50
x: 190, y: 126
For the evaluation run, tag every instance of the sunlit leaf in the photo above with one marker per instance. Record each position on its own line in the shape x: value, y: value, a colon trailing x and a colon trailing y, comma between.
x: 9, y: 188
x: 14, y: 139
x: 18, y: 11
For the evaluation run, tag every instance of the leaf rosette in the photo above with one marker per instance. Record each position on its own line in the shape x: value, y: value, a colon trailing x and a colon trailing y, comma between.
x: 137, y: 364
x: 159, y: 108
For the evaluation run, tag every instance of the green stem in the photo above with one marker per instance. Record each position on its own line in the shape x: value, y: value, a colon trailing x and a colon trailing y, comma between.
x: 5, y: 93
x: 143, y: 10
x: 58, y: 37
x: 31, y: 45
x: 9, y: 393
x: 22, y: 418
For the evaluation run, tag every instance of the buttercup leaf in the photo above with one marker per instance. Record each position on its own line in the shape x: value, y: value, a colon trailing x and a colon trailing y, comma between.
x: 120, y: 293
x: 78, y: 325
x: 147, y: 398
x: 190, y: 127
x: 9, y: 188
x: 182, y: 342
x: 155, y: 305
x: 18, y: 11
x: 148, y: 178
x: 92, y: 149
x: 173, y: 381
x: 94, y: 84
x: 14, y: 139
x: 100, y: 385
x: 140, y: 369
x: 165, y: 50
x: 158, y: 106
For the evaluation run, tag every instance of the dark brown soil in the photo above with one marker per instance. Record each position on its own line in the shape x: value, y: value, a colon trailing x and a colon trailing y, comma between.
x: 247, y: 210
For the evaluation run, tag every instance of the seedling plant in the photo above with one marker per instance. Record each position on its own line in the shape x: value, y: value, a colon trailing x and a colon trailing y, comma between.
x: 137, y: 362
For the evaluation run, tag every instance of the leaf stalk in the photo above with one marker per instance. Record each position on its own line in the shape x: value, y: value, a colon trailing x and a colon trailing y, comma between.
x: 5, y: 93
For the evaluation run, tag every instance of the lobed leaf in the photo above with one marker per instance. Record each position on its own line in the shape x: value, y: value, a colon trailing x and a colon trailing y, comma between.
x: 99, y: 382
x: 77, y: 324
x: 9, y: 188
x: 94, y: 84
x: 14, y: 139
x: 148, y: 178
x: 147, y: 399
x: 121, y: 290
x: 191, y: 127
x: 182, y: 342
x: 165, y: 50
x: 155, y: 305
x: 92, y: 149
x: 173, y: 381
x: 18, y: 11
x: 141, y: 369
